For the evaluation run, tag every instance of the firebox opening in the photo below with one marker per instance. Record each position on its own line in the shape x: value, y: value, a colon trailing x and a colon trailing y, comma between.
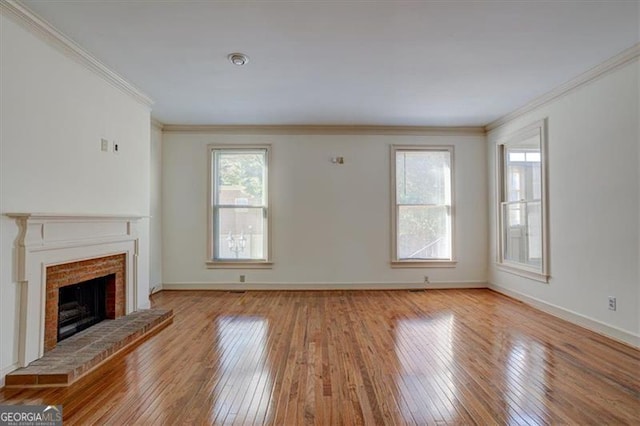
x: 82, y: 305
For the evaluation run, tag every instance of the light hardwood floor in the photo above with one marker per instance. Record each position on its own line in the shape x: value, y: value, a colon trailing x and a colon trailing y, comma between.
x: 361, y: 357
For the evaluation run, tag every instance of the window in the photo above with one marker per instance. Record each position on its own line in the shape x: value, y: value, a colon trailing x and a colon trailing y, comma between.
x: 522, y: 206
x: 239, y: 207
x: 422, y: 215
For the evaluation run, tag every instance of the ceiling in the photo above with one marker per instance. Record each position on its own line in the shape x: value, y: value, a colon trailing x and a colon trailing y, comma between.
x: 424, y: 63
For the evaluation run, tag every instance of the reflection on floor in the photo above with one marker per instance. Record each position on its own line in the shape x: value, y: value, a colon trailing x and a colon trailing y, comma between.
x: 421, y: 382
x: 336, y: 357
x: 245, y: 377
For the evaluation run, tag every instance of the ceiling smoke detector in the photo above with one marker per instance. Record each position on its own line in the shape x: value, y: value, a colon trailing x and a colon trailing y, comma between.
x: 238, y: 59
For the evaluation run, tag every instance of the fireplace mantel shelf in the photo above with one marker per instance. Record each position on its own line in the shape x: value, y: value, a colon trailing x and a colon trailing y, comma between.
x: 73, y: 216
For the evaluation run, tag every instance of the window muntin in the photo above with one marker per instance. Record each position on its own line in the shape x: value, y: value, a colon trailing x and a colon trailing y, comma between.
x: 239, y: 205
x: 422, y: 211
x: 522, y: 207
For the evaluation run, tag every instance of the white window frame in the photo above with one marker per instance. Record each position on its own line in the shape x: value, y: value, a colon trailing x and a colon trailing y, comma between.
x: 422, y: 263
x: 540, y: 274
x: 212, y: 262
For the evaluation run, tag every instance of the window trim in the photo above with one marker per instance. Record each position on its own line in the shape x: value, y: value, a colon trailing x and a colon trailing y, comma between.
x: 422, y: 263
x: 211, y: 262
x: 538, y: 274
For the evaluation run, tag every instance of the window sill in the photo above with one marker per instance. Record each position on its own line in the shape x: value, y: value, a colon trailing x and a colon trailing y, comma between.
x: 522, y: 272
x: 239, y: 265
x: 423, y: 263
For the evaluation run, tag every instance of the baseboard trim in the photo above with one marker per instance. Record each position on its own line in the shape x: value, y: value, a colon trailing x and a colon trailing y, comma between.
x: 7, y: 370
x: 323, y: 285
x: 591, y: 324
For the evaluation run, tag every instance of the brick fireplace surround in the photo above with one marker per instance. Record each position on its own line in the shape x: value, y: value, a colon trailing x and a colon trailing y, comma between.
x: 72, y: 273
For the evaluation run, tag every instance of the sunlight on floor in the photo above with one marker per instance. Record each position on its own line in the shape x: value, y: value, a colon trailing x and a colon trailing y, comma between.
x: 424, y: 351
x: 245, y: 376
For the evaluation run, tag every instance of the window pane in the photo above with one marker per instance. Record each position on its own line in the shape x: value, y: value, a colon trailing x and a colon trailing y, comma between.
x: 523, y: 233
x: 423, y: 177
x: 424, y: 232
x: 240, y: 233
x: 523, y: 179
x: 516, y: 156
x: 533, y: 156
x: 515, y: 183
x: 536, y: 184
x: 534, y: 233
x: 241, y: 178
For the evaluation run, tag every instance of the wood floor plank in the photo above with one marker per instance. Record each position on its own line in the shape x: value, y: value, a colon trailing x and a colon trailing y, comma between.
x: 356, y: 357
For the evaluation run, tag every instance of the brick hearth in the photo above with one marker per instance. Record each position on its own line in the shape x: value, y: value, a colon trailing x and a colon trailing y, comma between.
x: 75, y: 272
x: 85, y: 351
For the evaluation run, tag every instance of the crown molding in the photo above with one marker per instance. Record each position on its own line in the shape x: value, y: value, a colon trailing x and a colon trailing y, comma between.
x: 157, y: 124
x: 324, y: 130
x: 594, y: 73
x: 44, y: 30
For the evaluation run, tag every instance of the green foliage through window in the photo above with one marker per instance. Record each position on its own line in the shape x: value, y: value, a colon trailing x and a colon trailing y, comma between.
x: 244, y: 171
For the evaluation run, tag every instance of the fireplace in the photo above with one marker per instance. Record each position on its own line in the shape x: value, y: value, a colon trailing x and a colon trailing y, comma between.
x: 81, y: 294
x: 47, y: 248
x: 82, y: 305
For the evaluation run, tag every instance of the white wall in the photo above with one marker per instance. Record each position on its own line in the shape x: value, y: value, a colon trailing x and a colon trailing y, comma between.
x: 53, y: 113
x: 155, y: 236
x: 593, y: 205
x: 331, y: 223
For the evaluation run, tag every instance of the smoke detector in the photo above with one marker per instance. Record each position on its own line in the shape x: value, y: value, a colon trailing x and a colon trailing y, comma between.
x: 238, y: 59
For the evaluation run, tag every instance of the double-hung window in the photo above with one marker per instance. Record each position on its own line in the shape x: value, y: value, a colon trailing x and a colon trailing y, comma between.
x: 522, y: 239
x: 239, y: 206
x: 422, y: 209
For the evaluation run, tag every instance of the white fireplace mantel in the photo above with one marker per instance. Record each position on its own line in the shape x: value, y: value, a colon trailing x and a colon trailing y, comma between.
x: 47, y: 239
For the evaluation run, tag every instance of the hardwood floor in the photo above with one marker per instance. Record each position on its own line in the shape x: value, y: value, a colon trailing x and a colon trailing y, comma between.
x: 361, y: 357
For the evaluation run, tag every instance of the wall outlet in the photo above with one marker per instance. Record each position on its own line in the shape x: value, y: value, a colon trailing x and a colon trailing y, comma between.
x: 612, y: 303
x: 242, y: 277
x: 104, y: 145
x: 426, y: 279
